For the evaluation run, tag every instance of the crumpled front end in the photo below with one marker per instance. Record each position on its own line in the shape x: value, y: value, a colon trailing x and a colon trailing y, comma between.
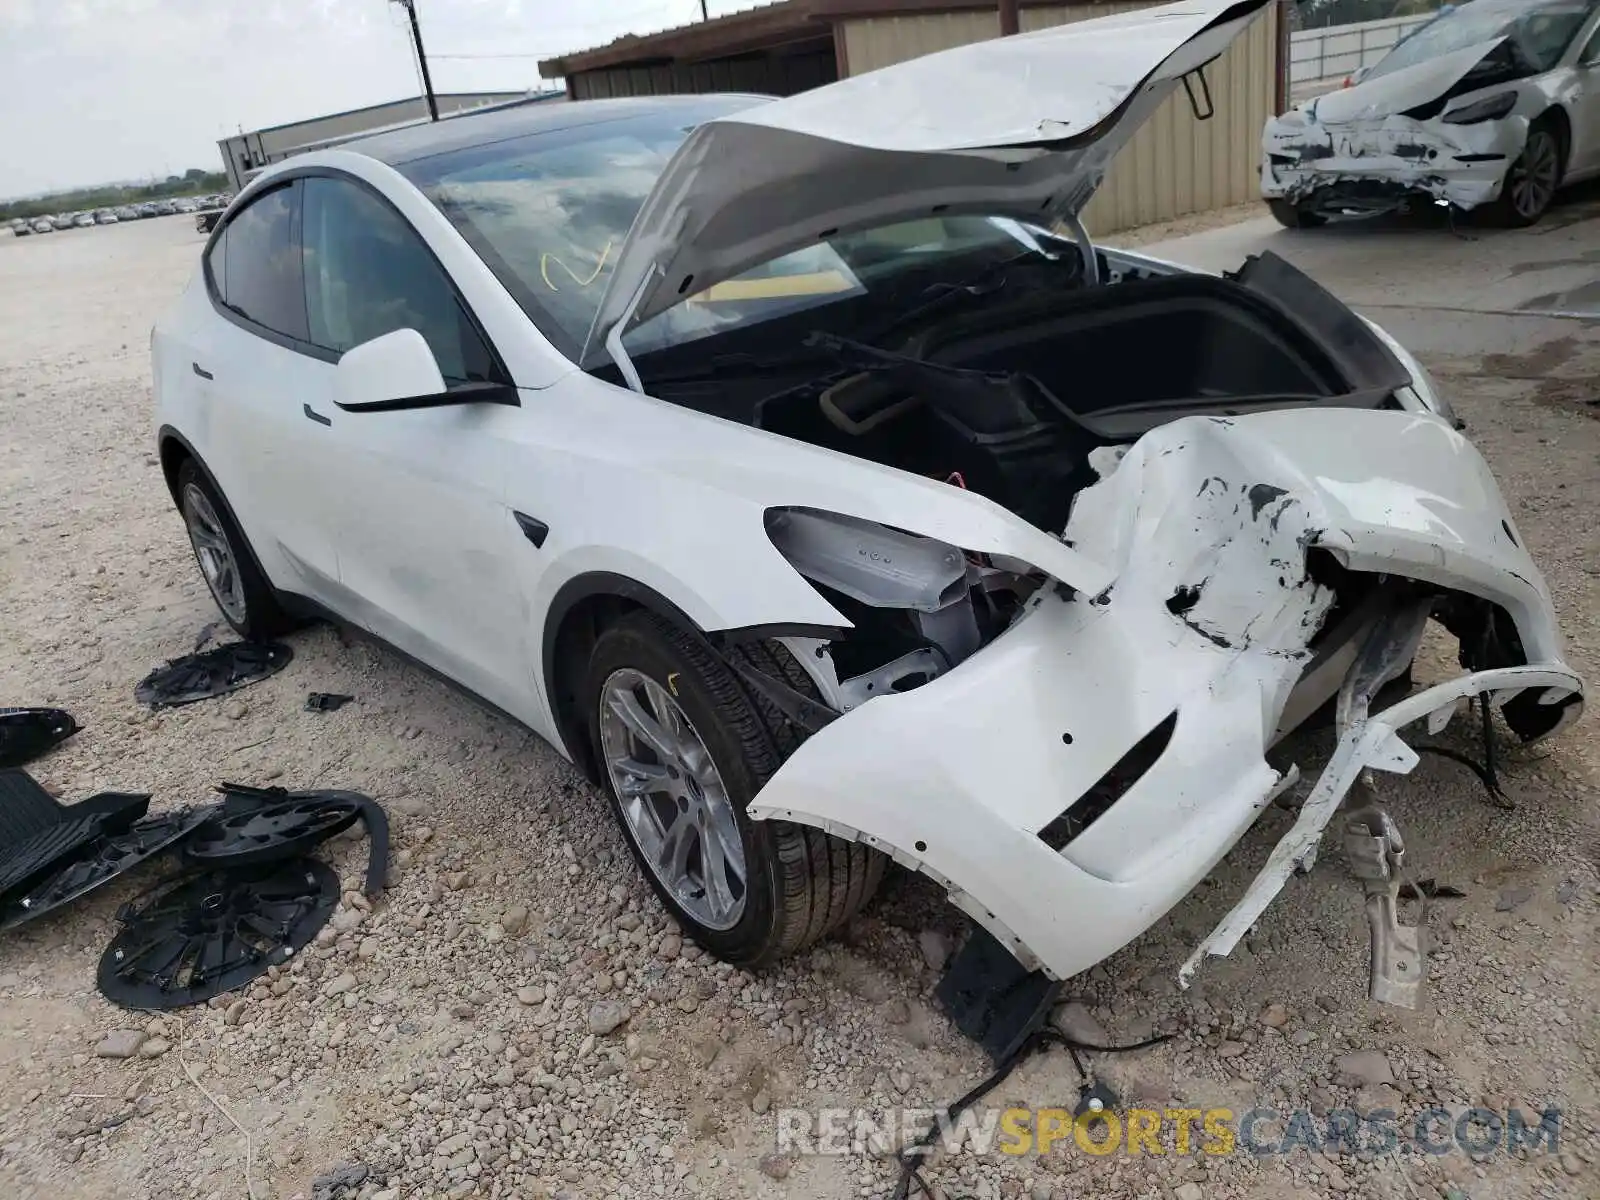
x: 1376, y: 162
x: 1073, y: 780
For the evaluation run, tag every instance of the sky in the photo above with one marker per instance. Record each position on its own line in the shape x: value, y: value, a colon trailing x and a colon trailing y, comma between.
x: 100, y: 91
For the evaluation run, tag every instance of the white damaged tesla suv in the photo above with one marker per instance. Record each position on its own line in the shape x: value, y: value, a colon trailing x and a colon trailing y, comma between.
x: 803, y: 472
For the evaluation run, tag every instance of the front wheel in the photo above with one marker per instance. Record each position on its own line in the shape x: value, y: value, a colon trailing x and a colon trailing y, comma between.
x: 683, y: 749
x: 1531, y: 181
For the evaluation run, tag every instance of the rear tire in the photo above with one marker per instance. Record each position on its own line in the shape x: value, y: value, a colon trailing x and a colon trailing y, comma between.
x: 1531, y: 181
x: 227, y: 564
x: 1294, y: 216
x: 798, y: 883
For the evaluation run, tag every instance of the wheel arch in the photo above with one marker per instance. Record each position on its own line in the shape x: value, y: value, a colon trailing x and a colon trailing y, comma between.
x: 1557, y: 116
x: 174, y: 450
x: 581, y: 609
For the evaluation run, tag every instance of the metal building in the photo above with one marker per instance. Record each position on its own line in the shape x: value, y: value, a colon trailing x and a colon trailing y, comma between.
x: 246, y: 153
x: 1175, y: 165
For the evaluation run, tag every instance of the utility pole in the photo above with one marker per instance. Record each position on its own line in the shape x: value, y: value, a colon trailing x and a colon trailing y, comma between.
x: 422, y: 56
x: 704, y: 16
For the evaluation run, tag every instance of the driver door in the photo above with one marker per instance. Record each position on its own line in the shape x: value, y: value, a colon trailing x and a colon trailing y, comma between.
x: 427, y: 544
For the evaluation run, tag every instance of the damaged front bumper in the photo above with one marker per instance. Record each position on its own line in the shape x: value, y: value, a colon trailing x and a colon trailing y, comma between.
x: 1373, y: 165
x: 1075, y: 779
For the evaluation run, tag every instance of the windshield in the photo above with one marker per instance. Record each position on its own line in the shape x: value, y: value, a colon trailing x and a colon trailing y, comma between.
x: 1539, y: 31
x: 549, y: 213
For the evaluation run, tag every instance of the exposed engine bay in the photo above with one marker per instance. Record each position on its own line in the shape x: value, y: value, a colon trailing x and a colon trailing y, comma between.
x: 1025, y: 396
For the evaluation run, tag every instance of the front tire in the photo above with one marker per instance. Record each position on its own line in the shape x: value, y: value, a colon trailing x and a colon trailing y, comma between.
x: 1294, y: 216
x: 1531, y: 181
x: 227, y: 564
x: 683, y: 748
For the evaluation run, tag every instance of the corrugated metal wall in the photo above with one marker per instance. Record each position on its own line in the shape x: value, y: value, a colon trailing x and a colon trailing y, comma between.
x: 1175, y: 165
x: 776, y: 76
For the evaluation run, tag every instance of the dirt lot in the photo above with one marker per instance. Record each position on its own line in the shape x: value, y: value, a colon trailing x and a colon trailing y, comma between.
x: 455, y: 1040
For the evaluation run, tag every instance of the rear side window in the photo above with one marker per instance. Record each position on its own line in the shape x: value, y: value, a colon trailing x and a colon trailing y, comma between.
x: 368, y: 273
x: 262, y: 269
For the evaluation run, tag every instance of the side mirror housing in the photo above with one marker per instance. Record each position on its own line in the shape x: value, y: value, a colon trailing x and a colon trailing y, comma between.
x: 398, y: 371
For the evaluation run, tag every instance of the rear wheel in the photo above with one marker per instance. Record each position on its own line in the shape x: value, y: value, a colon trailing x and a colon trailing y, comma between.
x: 683, y: 748
x: 1294, y: 216
x: 227, y: 564
x: 1531, y: 181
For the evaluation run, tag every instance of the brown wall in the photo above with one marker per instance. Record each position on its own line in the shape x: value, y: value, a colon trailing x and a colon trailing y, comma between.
x: 775, y: 76
x: 1175, y: 165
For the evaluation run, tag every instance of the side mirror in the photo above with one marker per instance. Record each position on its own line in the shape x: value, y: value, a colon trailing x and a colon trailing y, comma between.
x: 398, y: 371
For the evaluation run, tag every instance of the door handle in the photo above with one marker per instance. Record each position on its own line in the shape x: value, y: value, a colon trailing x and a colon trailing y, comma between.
x: 315, y: 415
x: 201, y: 371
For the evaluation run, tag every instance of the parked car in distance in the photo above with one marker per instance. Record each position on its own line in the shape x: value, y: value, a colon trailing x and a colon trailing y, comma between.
x: 1492, y: 104
x: 894, y: 541
x: 42, y: 226
x: 83, y: 221
x: 105, y: 217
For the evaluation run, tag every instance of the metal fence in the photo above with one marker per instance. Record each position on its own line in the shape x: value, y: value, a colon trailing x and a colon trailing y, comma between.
x: 1340, y: 50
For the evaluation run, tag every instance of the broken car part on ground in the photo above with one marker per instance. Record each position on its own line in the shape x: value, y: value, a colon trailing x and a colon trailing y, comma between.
x: 255, y: 900
x: 26, y: 733
x: 215, y: 672
x: 1491, y: 103
x: 897, y: 539
x: 207, y: 934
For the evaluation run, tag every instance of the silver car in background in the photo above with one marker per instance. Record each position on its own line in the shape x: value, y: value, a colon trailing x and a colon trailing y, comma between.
x: 1493, y: 104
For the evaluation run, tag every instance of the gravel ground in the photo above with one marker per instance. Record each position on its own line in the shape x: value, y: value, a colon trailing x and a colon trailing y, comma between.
x: 516, y: 1017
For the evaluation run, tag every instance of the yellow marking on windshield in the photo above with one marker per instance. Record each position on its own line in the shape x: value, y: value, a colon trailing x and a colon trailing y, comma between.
x: 547, y: 258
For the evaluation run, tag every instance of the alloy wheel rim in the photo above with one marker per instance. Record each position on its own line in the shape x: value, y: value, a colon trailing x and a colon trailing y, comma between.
x: 1533, y: 175
x: 214, y: 553
x: 672, y: 798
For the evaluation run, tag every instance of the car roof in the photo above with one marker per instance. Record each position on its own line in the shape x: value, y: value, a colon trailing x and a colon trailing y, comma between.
x: 501, y: 122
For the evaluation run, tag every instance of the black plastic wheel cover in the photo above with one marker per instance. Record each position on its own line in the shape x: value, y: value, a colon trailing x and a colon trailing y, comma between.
x: 26, y: 733
x: 99, y: 862
x: 210, y: 933
x: 212, y: 673
x: 268, y: 829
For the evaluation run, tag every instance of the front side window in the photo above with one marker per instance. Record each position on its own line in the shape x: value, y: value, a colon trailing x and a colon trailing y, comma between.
x: 262, y: 265
x: 368, y: 273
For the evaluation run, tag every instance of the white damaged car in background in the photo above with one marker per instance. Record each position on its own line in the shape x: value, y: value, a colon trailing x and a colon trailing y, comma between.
x: 806, y: 475
x: 1493, y: 104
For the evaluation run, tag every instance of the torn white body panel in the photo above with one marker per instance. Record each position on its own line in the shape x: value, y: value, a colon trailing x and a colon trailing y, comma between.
x: 1461, y: 164
x: 1073, y: 780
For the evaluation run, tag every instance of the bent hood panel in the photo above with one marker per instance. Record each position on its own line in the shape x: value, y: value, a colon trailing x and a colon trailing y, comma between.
x: 1011, y: 126
x: 1398, y: 91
